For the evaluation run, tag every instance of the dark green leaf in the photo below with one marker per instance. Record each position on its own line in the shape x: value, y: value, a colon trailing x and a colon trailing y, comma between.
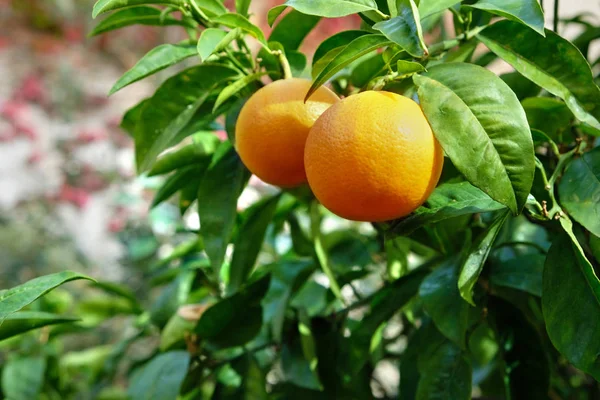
x: 478, y: 254
x: 161, y: 377
x: 195, y: 153
x: 217, y: 202
x: 245, y: 380
x: 367, y: 70
x: 249, y: 242
x: 552, y: 63
x: 23, y: 378
x: 447, y: 201
x: 132, y: 117
x: 526, y: 12
x: 482, y: 127
x: 292, y: 29
x: 235, y: 320
x: 549, y: 115
x: 12, y: 300
x: 429, y: 8
x: 175, y: 331
x: 298, y: 357
x: 232, y: 117
x: 297, y: 62
x: 355, y: 49
x: 242, y: 6
x: 595, y: 247
x: 236, y: 86
x: 176, y: 182
x: 24, y: 321
x: 341, y: 39
x: 579, y: 190
x: 571, y: 304
x: 274, y: 13
x: 522, y: 86
x: 172, y: 107
x: 522, y: 273
x: 325, y: 8
x: 103, y: 6
x: 443, y: 302
x: 137, y: 15
x: 238, y: 21
x: 405, y: 29
x: 172, y: 296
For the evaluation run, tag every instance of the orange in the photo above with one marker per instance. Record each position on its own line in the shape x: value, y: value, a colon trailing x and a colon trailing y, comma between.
x: 373, y: 157
x: 272, y: 128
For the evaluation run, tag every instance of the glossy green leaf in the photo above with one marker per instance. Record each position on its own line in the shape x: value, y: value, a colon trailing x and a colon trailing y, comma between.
x: 522, y: 86
x: 132, y: 117
x: 236, y: 87
x: 196, y: 153
x: 212, y: 8
x: 341, y: 39
x: 242, y: 6
x: 571, y: 305
x: 552, y: 63
x: 405, y: 68
x: 478, y: 254
x: 23, y: 378
x: 234, y: 320
x: 161, y: 377
x: 274, y: 13
x: 239, y: 21
x: 428, y: 8
x: 443, y: 302
x: 527, y: 12
x: 521, y: 273
x: 355, y: 49
x: 14, y: 299
x: 209, y: 40
x: 171, y: 298
x: 172, y: 107
x: 325, y: 8
x: 176, y: 182
x: 292, y: 29
x: 579, y: 190
x: 482, y: 127
x: 136, y: 15
x: 103, y: 6
x: 595, y: 246
x: 549, y: 115
x: 251, y: 235
x: 24, y: 321
x: 217, y: 203
x: 367, y: 70
x: 447, y: 201
x: 405, y: 29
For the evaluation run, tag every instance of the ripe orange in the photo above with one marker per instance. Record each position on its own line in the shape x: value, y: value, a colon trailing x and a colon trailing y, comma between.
x: 373, y: 157
x: 272, y: 128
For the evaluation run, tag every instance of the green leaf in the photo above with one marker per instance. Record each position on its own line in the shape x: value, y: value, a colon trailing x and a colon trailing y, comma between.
x: 367, y: 70
x: 571, y: 304
x: 385, y: 303
x: 405, y: 68
x: 161, y: 377
x: 196, y: 153
x: 242, y: 6
x: 176, y: 182
x: 137, y: 15
x: 298, y: 356
x: 14, y: 299
x: 239, y: 21
x: 429, y: 8
x: 478, y: 254
x: 287, y: 277
x: 210, y: 40
x: 527, y: 12
x: 325, y: 8
x: 579, y: 190
x: 292, y: 29
x: 447, y: 201
x: 23, y: 378
x: 444, y: 369
x: 522, y: 86
x: 217, y: 202
x: 172, y: 296
x: 274, y: 13
x: 443, y: 302
x: 405, y: 29
x: 521, y: 273
x: 341, y: 39
x: 249, y: 241
x: 236, y: 86
x: 212, y: 8
x: 132, y: 117
x: 103, y: 6
x: 235, y: 320
x: 355, y: 49
x: 552, y: 63
x: 175, y: 331
x: 549, y: 115
x: 482, y: 128
x: 24, y: 321
x: 172, y: 107
x: 119, y: 290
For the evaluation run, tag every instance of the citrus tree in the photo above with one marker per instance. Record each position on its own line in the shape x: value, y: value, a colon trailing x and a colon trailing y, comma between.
x: 475, y: 280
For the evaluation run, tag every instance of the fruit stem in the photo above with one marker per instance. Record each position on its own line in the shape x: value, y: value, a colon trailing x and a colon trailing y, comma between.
x: 315, y: 224
x: 285, y: 65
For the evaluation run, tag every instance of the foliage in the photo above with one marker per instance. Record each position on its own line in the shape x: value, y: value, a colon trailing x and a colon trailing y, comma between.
x: 492, y: 284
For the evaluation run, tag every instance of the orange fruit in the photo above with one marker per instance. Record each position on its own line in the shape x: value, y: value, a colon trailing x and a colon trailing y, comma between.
x: 372, y: 157
x: 272, y: 128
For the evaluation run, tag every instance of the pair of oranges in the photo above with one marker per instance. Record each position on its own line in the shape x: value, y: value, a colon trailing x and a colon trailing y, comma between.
x: 369, y: 157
